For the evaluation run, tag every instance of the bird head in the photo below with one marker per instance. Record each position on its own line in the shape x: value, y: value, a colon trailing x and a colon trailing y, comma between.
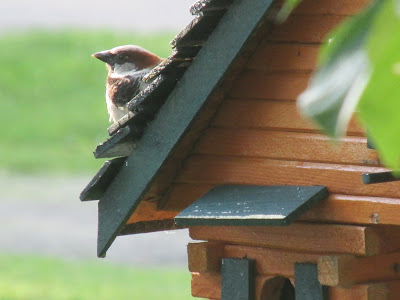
x: 123, y: 60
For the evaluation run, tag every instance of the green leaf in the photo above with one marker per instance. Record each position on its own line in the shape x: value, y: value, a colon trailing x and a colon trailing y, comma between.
x: 379, y: 107
x: 286, y: 9
x: 342, y: 75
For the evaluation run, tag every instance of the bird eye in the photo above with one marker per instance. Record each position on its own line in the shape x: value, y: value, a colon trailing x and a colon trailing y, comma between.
x: 121, y: 58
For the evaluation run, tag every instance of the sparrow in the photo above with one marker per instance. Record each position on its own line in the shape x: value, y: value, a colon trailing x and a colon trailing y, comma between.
x: 127, y: 65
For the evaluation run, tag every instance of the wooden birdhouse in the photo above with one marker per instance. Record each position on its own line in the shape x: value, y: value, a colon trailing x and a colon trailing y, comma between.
x: 216, y: 145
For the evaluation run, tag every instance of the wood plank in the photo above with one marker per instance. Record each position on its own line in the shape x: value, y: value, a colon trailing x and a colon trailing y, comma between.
x: 313, y: 238
x: 269, y: 114
x: 176, y: 117
x: 341, y: 179
x: 330, y: 7
x: 149, y: 226
x: 335, y: 209
x: 120, y: 143
x: 305, y: 28
x: 306, y: 282
x: 100, y: 182
x: 206, y: 285
x: 271, y: 261
x: 348, y: 270
x: 205, y: 256
x: 181, y: 196
x: 286, y: 145
x: 341, y: 208
x: 237, y: 279
x: 283, y: 56
x: 251, y: 205
x: 278, y: 85
x: 378, y: 291
x: 147, y: 211
x: 393, y: 290
x: 374, y: 178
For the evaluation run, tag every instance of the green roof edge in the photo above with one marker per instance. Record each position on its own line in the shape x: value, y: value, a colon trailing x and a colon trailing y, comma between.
x: 175, y: 116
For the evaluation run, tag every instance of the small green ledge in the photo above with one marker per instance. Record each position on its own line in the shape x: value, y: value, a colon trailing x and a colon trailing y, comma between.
x: 250, y: 205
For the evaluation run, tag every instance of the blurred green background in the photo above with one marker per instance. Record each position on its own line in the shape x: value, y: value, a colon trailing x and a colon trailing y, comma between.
x: 53, y: 112
x: 52, y: 97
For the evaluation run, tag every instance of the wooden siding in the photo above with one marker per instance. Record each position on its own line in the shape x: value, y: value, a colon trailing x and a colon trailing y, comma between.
x: 257, y: 135
x: 268, y: 114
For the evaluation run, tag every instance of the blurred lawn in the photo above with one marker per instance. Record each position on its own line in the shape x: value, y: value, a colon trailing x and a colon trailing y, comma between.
x: 31, y: 277
x: 52, y: 103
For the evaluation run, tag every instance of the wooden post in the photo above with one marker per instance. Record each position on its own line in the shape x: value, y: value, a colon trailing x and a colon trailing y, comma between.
x: 307, y: 286
x: 348, y: 270
x: 238, y: 279
x: 205, y: 256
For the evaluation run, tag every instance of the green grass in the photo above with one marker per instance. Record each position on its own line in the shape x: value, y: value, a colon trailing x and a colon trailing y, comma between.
x: 52, y: 103
x: 32, y: 277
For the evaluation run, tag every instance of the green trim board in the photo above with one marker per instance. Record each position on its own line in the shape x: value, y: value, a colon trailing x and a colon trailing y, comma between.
x: 99, y: 183
x: 371, y: 178
x: 238, y: 279
x: 120, y: 144
x: 208, y: 6
x: 306, y: 283
x: 251, y: 205
x: 175, y: 117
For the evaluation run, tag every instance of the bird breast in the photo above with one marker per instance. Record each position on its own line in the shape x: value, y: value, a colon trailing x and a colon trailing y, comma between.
x: 121, y: 89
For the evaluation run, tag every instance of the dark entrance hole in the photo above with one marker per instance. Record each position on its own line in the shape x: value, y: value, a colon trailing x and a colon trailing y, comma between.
x: 277, y: 288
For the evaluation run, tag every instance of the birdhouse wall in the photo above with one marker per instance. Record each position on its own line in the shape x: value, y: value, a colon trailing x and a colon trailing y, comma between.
x: 347, y: 281
x: 257, y: 135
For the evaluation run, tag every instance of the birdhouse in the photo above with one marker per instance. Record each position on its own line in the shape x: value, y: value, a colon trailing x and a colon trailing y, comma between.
x: 215, y: 144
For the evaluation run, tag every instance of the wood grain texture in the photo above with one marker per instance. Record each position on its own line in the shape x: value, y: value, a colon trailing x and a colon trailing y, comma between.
x: 355, y: 210
x: 181, y: 196
x: 335, y: 209
x: 305, y: 28
x: 393, y: 290
x: 313, y: 238
x: 147, y: 211
x: 330, y: 7
x: 378, y: 291
x: 205, y: 256
x: 286, y: 145
x: 269, y: 114
x: 260, y: 85
x: 347, y: 270
x: 148, y: 226
x: 341, y: 179
x: 283, y: 56
x: 206, y: 285
x: 271, y: 261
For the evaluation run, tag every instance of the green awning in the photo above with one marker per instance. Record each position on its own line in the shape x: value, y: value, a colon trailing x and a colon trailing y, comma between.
x: 251, y: 205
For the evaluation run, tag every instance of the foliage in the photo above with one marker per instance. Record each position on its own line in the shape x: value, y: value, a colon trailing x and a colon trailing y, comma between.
x: 52, y: 97
x: 33, y: 277
x: 287, y: 8
x: 361, y: 67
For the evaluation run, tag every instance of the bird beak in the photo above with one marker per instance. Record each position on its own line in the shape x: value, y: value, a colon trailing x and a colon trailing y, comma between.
x: 103, y: 56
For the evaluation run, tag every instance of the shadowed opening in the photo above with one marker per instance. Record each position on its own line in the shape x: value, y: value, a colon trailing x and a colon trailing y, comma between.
x: 278, y: 288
